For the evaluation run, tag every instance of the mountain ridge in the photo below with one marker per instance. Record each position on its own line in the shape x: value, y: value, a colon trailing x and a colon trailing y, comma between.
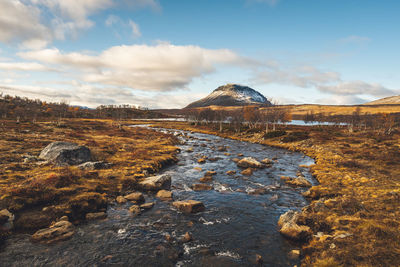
x: 390, y: 100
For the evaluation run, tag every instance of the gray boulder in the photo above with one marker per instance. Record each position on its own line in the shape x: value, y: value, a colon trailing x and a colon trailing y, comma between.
x: 94, y: 165
x: 64, y: 154
x: 156, y: 183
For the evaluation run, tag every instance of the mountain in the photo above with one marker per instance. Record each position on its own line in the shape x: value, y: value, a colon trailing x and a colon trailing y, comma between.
x: 232, y: 95
x: 391, y: 100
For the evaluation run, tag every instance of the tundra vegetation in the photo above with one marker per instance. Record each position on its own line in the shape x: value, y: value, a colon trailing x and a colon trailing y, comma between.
x: 38, y: 193
x: 353, y: 212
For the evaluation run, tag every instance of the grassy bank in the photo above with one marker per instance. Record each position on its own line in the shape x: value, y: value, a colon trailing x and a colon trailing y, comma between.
x: 39, y: 193
x: 354, y: 211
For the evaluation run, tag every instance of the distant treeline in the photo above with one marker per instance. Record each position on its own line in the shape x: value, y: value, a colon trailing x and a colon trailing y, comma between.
x: 24, y: 109
x: 252, y: 117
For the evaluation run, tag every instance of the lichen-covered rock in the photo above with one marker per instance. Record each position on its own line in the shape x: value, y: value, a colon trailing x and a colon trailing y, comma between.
x: 156, y: 183
x: 289, y: 228
x: 189, y: 206
x: 59, y: 231
x: 249, y: 162
x: 94, y: 165
x: 65, y: 153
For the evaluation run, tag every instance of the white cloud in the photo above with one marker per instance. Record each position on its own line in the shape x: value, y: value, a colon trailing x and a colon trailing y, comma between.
x: 33, y: 24
x: 23, y: 66
x: 112, y: 20
x: 135, y: 29
x: 328, y: 82
x: 357, y: 88
x: 163, y: 67
x: 21, y: 22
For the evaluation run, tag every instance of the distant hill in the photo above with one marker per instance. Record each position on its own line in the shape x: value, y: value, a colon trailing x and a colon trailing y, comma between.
x: 232, y: 95
x: 391, y: 100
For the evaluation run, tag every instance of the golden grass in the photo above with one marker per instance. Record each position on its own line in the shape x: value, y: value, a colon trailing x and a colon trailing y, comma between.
x: 45, y: 192
x: 355, y: 208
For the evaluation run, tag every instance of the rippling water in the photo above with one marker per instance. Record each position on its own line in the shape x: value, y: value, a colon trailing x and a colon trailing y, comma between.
x: 235, y: 226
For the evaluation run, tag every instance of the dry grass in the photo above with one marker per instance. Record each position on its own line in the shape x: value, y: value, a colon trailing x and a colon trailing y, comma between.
x: 354, y: 210
x: 38, y: 194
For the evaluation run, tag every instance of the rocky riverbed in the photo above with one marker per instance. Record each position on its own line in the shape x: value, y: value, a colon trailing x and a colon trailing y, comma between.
x: 235, y: 224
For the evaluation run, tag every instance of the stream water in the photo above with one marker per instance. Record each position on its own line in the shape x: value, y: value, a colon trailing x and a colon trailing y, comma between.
x: 235, y: 226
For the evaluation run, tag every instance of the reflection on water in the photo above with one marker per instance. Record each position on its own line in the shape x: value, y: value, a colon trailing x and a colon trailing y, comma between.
x: 236, y: 225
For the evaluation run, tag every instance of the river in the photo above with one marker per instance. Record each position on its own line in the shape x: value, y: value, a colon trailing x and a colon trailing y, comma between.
x: 236, y: 225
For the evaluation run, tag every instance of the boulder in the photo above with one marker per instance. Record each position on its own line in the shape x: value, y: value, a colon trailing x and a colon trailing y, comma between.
x: 299, y: 181
x: 201, y: 187
x: 289, y: 228
x: 156, y: 183
x: 189, y: 206
x: 94, y: 165
x: 249, y: 162
x: 59, y: 231
x: 136, y: 197
x: 64, y: 154
x: 164, y: 194
x: 96, y: 216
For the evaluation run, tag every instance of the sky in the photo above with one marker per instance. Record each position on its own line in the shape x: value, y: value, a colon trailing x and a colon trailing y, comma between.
x: 169, y: 53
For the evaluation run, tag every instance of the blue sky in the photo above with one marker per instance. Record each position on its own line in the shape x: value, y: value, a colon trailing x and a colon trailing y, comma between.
x: 166, y: 54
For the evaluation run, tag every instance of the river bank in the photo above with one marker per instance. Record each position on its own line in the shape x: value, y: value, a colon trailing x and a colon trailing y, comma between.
x: 354, y: 212
x: 37, y: 193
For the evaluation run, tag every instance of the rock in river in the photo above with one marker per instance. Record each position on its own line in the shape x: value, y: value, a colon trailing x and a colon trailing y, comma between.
x: 59, y: 231
x: 288, y: 227
x: 164, y: 194
x: 250, y: 162
x: 189, y: 206
x: 136, y: 197
x: 64, y: 154
x: 201, y: 187
x: 156, y: 183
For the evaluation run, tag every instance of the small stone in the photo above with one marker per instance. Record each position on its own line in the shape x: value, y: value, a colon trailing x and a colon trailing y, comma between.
x: 294, y: 254
x: 236, y: 160
x: 135, y: 209
x: 135, y: 197
x: 147, y: 206
x: 231, y: 172
x: 240, y: 155
x: 189, y: 206
x: 201, y: 161
x: 206, y: 179
x: 210, y: 173
x: 201, y: 187
x: 121, y: 200
x: 164, y: 194
x: 247, y: 172
x: 168, y: 238
x: 59, y: 231
x: 63, y: 218
x: 187, y: 237
x: 156, y: 183
x: 96, y: 216
x: 299, y: 181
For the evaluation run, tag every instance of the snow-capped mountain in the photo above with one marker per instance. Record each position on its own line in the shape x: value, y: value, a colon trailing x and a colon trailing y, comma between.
x: 232, y: 95
x: 391, y: 100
